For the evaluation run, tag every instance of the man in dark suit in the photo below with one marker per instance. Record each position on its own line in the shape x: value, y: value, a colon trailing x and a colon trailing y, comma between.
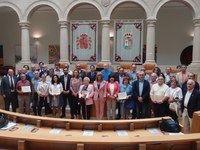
x: 92, y: 74
x: 190, y: 104
x: 184, y: 86
x: 141, y: 90
x: 82, y: 73
x: 8, y: 84
x: 66, y: 95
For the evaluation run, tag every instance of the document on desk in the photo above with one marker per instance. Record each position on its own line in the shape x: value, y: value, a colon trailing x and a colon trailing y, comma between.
x: 28, y: 127
x: 154, y: 130
x: 9, y: 125
x: 122, y: 133
x: 88, y: 133
x: 180, y: 133
x: 55, y: 131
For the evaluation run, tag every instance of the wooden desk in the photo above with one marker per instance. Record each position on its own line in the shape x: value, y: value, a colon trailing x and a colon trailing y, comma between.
x: 71, y: 137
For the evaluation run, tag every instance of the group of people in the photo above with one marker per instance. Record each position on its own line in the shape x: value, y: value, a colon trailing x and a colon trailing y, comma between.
x: 125, y: 95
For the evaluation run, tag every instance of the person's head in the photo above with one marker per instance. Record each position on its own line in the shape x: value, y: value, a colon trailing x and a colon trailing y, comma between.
x: 191, y: 76
x: 10, y: 72
x: 121, y: 71
x: 126, y: 80
x: 43, y: 77
x: 157, y: 70
x: 174, y: 83
x: 66, y: 65
x: 57, y: 66
x: 36, y: 74
x: 76, y: 73
x: 26, y: 67
x: 134, y: 67
x: 111, y: 78
x: 190, y: 84
x: 153, y: 77
x: 168, y: 70
x: 141, y: 75
x: 137, y: 74
x: 143, y: 69
x: 41, y: 65
x: 160, y: 80
x: 24, y: 70
x: 118, y: 69
x: 105, y: 66
x: 172, y: 76
x: 33, y: 68
x: 78, y: 66
x: 55, y: 79
x: 19, y: 71
x: 51, y: 72
x: 92, y: 68
x: 65, y: 71
x: 86, y: 81
x: 162, y: 75
x: 178, y: 68
x: 183, y: 68
x: 23, y: 76
x: 99, y: 77
x: 45, y: 67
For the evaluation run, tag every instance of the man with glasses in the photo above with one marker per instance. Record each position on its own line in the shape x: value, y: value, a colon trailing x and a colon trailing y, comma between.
x: 159, y: 95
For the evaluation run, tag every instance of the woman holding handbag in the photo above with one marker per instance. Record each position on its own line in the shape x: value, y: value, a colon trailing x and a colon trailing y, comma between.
x: 175, y: 96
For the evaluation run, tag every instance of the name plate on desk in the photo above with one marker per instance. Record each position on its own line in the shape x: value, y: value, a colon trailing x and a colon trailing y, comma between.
x: 122, y: 95
x: 26, y: 89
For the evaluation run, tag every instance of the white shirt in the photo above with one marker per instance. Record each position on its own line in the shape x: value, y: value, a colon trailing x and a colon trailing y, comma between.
x: 158, y: 92
x: 111, y: 89
x: 43, y: 87
x: 58, y: 88
x: 175, y: 93
x: 187, y: 97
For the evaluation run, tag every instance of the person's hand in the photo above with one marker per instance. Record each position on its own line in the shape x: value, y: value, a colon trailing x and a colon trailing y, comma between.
x: 140, y: 99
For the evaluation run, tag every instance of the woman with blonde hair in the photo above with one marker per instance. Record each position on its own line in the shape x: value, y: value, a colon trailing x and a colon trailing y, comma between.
x: 99, y: 96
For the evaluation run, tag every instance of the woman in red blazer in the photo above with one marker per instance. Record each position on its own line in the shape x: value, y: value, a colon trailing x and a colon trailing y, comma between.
x: 99, y: 96
x: 112, y: 88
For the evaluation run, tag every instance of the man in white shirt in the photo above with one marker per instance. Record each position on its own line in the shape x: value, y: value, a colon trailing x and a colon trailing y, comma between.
x: 190, y: 104
x: 159, y: 95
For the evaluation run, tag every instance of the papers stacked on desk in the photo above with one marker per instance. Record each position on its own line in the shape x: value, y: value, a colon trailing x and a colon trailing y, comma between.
x: 55, y: 131
x: 154, y: 130
x: 88, y: 133
x: 122, y: 133
x: 9, y: 126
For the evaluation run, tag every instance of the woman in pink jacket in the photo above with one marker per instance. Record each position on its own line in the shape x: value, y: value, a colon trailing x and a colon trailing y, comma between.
x: 99, y: 96
x: 112, y: 88
x: 86, y: 93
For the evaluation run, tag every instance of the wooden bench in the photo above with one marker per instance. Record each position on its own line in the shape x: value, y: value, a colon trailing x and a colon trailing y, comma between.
x: 105, y: 136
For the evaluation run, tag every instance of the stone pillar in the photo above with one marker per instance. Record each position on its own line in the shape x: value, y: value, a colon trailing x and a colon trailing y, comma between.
x: 105, y: 46
x: 150, y: 45
x: 64, y: 56
x: 25, y: 43
x: 196, y: 44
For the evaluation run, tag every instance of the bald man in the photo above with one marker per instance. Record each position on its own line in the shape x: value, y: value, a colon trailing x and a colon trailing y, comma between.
x: 190, y: 104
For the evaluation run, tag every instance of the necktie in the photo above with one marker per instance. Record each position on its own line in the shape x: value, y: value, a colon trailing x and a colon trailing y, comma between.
x: 11, y: 84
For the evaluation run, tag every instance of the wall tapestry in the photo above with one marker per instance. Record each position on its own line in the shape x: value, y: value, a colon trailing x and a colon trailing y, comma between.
x: 54, y: 54
x: 128, y: 41
x: 84, y: 41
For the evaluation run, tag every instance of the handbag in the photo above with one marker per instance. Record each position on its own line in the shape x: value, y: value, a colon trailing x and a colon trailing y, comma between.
x: 3, y: 120
x: 129, y: 104
x: 173, y: 107
x: 169, y: 125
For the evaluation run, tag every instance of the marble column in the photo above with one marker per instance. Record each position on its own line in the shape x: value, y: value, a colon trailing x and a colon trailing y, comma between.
x: 150, y: 44
x: 64, y: 56
x: 196, y: 44
x: 105, y: 46
x: 25, y: 42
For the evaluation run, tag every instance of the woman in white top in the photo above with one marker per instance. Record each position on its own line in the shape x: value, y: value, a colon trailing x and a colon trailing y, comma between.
x: 175, y: 96
x: 43, y: 93
x: 55, y: 89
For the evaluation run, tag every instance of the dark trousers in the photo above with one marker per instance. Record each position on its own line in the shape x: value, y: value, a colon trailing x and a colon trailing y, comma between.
x: 118, y: 108
x: 42, y: 102
x: 173, y: 115
x: 140, y: 110
x: 86, y: 109
x: 65, y: 97
x: 35, y: 103
x: 11, y: 99
x: 161, y: 110
x: 75, y: 109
